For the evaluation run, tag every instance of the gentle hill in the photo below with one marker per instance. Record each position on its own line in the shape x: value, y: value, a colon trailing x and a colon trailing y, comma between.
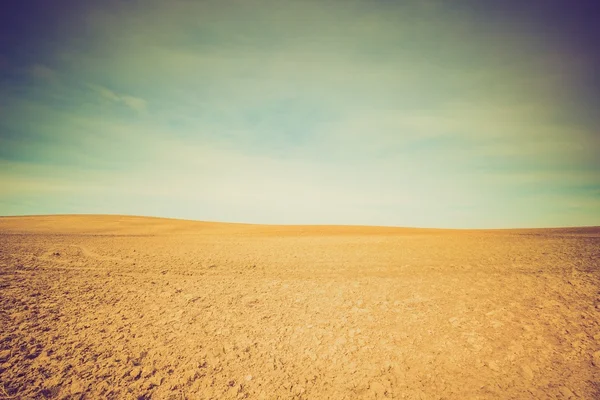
x: 88, y: 224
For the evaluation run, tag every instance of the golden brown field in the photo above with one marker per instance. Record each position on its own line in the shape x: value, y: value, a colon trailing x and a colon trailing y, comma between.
x: 137, y: 308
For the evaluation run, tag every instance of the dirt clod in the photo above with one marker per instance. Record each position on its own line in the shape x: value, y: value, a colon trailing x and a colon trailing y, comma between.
x: 596, y: 359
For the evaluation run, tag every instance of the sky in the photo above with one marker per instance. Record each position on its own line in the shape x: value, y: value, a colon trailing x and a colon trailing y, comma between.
x: 424, y: 113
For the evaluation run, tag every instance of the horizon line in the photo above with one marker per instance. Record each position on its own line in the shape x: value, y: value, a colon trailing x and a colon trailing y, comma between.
x: 297, y: 225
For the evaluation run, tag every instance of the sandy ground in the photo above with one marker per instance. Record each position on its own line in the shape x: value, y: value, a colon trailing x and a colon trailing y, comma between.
x: 137, y: 308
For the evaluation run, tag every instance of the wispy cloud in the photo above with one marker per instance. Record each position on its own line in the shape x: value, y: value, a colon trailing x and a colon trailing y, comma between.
x: 135, y: 103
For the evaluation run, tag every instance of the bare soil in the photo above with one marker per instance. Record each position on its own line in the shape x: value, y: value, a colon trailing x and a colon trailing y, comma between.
x: 137, y: 308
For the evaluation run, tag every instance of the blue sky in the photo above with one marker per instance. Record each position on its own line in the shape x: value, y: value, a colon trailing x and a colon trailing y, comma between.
x: 301, y: 112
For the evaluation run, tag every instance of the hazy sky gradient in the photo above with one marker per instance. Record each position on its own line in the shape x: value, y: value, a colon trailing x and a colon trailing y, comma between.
x: 414, y: 113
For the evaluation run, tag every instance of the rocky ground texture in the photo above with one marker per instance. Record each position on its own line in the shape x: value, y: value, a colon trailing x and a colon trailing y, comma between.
x: 141, y: 308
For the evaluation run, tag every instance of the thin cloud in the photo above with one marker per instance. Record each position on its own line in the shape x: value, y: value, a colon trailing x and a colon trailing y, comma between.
x: 135, y: 103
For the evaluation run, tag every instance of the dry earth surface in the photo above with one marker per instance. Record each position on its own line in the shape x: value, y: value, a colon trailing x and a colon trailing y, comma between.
x: 138, y: 308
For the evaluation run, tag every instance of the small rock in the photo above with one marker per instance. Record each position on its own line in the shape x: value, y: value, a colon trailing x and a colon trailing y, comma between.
x: 248, y: 378
x: 156, y: 380
x: 77, y: 387
x: 148, y: 372
x: 566, y: 392
x: 377, y: 388
x: 596, y: 359
x: 577, y: 344
x: 4, y: 355
x: 135, y: 373
x: 493, y: 366
x: 527, y: 372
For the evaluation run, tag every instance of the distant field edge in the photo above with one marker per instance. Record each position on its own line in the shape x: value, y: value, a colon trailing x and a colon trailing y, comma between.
x: 139, y: 224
